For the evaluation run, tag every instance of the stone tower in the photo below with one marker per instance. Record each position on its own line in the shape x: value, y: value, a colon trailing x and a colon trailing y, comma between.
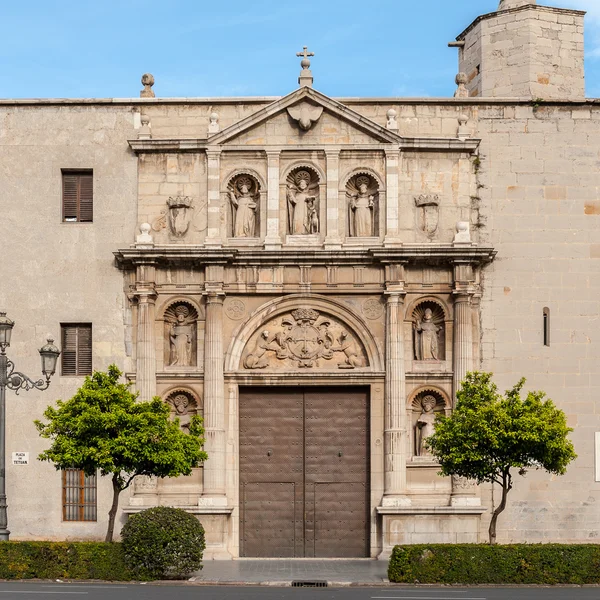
x: 524, y: 51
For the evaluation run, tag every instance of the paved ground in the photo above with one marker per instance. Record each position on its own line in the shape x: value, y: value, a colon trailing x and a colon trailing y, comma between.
x: 287, y: 570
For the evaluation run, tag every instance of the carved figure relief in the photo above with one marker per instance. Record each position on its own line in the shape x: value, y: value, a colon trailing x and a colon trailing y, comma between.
x: 303, y: 202
x: 180, y: 215
x: 426, y: 405
x: 363, y: 201
x: 304, y: 339
x: 428, y: 206
x: 181, y: 324
x: 244, y: 196
x: 183, y: 407
x: 305, y: 114
x: 428, y: 328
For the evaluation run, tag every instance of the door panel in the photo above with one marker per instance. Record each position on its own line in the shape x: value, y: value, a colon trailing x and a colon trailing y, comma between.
x: 304, y: 472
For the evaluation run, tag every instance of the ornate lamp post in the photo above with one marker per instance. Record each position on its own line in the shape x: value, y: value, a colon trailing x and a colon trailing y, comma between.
x: 13, y: 380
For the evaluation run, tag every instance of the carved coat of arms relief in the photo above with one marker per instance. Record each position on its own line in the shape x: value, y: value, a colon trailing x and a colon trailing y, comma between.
x: 304, y: 339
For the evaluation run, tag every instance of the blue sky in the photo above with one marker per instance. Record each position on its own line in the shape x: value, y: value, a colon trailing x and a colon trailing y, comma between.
x: 84, y: 48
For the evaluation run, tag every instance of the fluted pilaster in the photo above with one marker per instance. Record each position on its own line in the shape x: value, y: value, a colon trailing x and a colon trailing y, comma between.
x: 146, y: 354
x: 463, y: 339
x: 213, y: 233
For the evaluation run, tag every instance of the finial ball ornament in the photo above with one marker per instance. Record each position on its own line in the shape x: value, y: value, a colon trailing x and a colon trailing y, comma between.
x: 148, y: 79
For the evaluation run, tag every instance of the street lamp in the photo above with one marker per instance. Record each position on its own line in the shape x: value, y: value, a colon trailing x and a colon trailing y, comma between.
x: 13, y: 380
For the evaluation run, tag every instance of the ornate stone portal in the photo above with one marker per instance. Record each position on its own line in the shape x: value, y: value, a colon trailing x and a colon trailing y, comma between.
x: 304, y: 339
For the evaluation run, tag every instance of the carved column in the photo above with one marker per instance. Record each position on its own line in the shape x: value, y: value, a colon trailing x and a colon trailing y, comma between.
x: 213, y: 233
x: 392, y: 223
x: 145, y: 350
x: 214, y: 397
x: 395, y: 404
x: 463, y: 338
x: 273, y: 238
x: 333, y: 240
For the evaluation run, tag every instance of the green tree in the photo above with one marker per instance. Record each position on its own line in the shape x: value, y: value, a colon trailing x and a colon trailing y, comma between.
x: 488, y: 435
x: 102, y: 427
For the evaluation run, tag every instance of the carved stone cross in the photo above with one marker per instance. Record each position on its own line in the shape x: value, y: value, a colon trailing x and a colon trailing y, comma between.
x: 305, y: 53
x: 306, y: 78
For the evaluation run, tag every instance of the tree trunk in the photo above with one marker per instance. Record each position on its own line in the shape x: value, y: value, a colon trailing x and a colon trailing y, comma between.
x: 112, y: 513
x: 506, y: 485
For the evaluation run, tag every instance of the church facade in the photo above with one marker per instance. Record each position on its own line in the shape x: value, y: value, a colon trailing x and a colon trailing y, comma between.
x: 315, y: 277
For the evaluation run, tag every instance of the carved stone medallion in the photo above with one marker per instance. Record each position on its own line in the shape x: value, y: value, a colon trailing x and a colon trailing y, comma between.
x: 235, y: 309
x: 304, y: 339
x: 372, y: 309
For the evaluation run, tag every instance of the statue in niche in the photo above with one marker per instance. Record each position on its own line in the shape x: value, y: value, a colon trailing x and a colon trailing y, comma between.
x: 244, y: 196
x: 425, y: 425
x: 427, y: 337
x: 303, y: 204
x: 362, y: 195
x: 181, y: 338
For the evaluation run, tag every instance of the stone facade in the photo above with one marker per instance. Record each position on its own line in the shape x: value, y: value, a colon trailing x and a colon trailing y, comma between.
x: 392, y: 244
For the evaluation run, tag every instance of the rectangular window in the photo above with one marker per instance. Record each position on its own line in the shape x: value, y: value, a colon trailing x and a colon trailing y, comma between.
x: 546, y: 314
x: 77, y: 196
x: 79, y: 496
x: 76, y: 355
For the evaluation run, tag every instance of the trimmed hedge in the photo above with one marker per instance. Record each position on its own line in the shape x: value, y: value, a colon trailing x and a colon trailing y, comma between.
x: 63, y: 560
x: 484, y: 564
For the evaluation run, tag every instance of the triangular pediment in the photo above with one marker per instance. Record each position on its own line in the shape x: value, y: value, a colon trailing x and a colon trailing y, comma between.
x: 309, y: 116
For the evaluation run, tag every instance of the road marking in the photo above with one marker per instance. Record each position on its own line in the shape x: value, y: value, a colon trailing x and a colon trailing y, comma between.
x: 423, y: 597
x: 89, y: 586
x: 32, y: 592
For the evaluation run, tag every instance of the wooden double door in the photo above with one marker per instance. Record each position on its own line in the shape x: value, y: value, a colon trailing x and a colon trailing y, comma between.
x: 304, y: 472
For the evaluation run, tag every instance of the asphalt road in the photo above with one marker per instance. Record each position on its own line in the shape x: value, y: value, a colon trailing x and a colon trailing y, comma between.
x: 84, y: 591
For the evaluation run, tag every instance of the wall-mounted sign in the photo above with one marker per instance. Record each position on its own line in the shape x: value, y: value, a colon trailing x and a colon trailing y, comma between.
x: 20, y: 458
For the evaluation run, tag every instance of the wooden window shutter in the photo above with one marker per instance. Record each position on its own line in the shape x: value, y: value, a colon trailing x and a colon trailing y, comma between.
x: 79, y: 496
x: 76, y: 354
x: 78, y: 196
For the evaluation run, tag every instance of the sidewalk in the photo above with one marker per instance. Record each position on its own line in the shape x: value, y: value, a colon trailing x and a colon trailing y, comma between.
x: 285, y: 571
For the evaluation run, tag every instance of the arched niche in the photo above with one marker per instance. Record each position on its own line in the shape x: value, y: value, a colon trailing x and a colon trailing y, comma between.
x: 428, y: 317
x: 304, y: 191
x: 184, y: 404
x: 363, y: 206
x: 180, y: 335
x: 350, y: 189
x: 424, y: 405
x: 245, y: 196
x: 304, y: 333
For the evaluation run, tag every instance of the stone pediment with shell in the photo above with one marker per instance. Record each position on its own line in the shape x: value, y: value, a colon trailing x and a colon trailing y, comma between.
x: 305, y: 117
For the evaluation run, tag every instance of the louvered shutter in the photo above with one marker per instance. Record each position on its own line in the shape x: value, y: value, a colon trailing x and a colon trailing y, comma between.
x: 70, y: 197
x: 84, y: 350
x: 86, y: 196
x: 69, y: 350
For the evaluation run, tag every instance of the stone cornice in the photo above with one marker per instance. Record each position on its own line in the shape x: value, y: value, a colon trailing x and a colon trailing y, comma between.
x: 508, y: 11
x: 199, y: 256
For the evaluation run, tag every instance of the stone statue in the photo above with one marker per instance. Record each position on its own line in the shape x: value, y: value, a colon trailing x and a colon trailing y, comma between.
x: 425, y: 425
x: 426, y: 337
x: 348, y: 346
x: 303, y: 214
x: 362, y: 205
x: 181, y: 403
x: 244, y: 204
x: 181, y: 336
x: 258, y: 358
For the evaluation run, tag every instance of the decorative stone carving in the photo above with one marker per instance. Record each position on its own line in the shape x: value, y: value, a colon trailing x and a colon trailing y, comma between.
x: 244, y: 196
x: 429, y: 209
x: 181, y: 324
x: 235, y: 309
x: 183, y: 407
x: 463, y: 484
x: 372, y: 309
x: 305, y: 114
x: 463, y: 129
x: 461, y: 81
x: 362, y: 191
x: 303, y: 202
x: 425, y: 407
x: 145, y: 132
x: 180, y: 212
x: 144, y: 239
x: 146, y: 484
x: 392, y: 123
x: 463, y: 233
x: 304, y: 339
x: 428, y: 321
x: 213, y: 126
x: 306, y: 78
x: 147, y: 82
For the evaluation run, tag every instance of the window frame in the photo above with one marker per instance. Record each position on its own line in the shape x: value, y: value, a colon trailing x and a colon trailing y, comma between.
x: 86, y: 490
x: 79, y: 174
x: 81, y: 369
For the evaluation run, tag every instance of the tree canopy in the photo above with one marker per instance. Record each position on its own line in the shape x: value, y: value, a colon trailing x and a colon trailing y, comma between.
x: 104, y: 428
x: 488, y: 434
